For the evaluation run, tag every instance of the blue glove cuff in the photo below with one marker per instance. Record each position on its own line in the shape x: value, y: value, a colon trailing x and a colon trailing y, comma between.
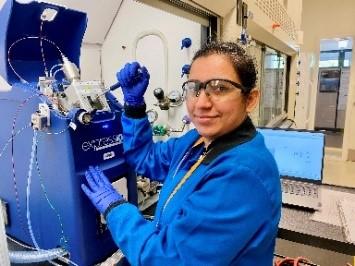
x: 112, y: 206
x: 135, y: 111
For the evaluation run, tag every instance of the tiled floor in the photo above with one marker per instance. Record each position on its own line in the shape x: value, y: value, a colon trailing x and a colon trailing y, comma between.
x: 333, y: 139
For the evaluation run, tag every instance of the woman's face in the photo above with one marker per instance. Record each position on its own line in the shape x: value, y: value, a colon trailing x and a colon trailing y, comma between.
x: 216, y: 115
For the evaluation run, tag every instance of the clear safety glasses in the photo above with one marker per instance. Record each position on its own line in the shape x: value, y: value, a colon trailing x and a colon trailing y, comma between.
x: 214, y: 88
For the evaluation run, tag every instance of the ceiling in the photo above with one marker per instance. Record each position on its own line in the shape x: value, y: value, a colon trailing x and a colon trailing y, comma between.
x: 220, y: 7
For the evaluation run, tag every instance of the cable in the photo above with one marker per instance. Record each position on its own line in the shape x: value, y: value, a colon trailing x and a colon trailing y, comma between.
x: 42, y: 51
x: 18, y: 205
x: 53, y: 67
x: 32, y: 248
x: 25, y: 38
x: 57, y: 71
x: 19, y: 243
x: 29, y: 176
x: 34, y: 149
x: 13, y: 134
x: 49, y: 202
x: 10, y: 100
x: 26, y: 246
x: 57, y: 133
x: 286, y: 261
x: 28, y: 192
x: 9, y: 140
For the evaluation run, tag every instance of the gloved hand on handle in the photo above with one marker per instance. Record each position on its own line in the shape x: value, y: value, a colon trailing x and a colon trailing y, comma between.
x: 134, y: 81
x: 100, y: 191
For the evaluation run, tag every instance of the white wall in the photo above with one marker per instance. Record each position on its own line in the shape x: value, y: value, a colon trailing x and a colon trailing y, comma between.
x: 325, y: 19
x: 90, y: 62
x: 260, y: 26
x: 230, y: 29
x: 294, y: 10
x: 220, y: 7
x: 136, y: 20
x: 307, y: 81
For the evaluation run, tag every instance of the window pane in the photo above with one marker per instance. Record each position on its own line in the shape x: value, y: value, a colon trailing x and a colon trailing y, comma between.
x: 329, y: 80
x: 330, y: 59
x: 347, y: 59
x: 274, y: 61
x: 273, y: 86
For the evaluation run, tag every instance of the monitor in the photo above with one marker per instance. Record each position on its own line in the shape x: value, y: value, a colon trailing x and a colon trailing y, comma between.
x: 298, y: 154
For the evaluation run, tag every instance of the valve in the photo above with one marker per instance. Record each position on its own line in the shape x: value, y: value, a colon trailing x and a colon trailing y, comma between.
x: 244, y: 38
x: 185, y: 70
x: 186, y: 43
x: 163, y: 101
x: 81, y: 116
x: 160, y: 130
x: 186, y: 120
x: 175, y: 98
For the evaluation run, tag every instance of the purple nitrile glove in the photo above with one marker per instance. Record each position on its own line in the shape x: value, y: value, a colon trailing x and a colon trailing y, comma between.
x: 99, y: 190
x: 134, y: 81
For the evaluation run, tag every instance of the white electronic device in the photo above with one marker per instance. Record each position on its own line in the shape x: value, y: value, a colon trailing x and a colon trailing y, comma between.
x: 299, y: 155
x: 88, y: 95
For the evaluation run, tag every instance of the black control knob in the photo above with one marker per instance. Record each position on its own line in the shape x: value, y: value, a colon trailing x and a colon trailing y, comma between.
x: 159, y: 94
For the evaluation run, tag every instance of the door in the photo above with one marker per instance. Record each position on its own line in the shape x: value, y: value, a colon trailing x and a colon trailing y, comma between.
x: 327, y: 98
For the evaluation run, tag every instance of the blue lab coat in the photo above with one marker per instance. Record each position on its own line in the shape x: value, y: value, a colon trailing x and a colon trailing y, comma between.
x: 226, y: 213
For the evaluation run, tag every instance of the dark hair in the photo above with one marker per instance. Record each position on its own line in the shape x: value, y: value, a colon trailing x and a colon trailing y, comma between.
x: 243, y: 63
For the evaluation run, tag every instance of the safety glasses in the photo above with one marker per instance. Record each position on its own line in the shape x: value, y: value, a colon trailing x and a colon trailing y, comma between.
x: 214, y: 88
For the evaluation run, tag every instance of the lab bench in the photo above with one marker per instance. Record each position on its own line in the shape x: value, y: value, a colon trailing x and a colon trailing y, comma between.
x: 324, y: 242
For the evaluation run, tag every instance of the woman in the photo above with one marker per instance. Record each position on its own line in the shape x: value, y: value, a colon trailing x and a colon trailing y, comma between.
x: 221, y: 200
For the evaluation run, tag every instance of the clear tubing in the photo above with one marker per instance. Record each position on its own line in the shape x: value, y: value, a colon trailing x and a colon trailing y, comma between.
x: 32, y: 249
x: 25, y: 38
x: 35, y: 255
x: 29, y: 176
x: 44, y: 255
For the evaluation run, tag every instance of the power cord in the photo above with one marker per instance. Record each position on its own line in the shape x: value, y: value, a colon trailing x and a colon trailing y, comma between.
x: 299, y: 261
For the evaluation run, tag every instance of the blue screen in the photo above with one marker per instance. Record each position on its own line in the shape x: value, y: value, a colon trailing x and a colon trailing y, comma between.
x: 298, y: 154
